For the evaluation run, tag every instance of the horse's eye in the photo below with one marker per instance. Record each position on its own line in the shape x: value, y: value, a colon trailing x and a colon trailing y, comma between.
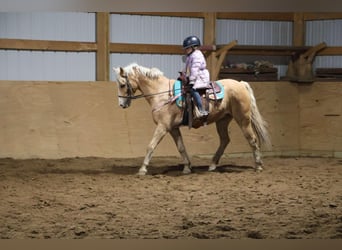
x: 122, y: 86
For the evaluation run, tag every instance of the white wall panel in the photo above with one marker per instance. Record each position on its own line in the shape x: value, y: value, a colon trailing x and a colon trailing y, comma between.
x: 330, y: 32
x: 154, y: 29
x: 170, y: 65
x: 47, y: 66
x: 60, y: 26
x: 54, y: 66
x: 248, y: 32
x: 328, y: 62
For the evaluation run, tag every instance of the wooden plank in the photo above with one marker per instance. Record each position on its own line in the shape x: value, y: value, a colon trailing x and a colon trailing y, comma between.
x: 270, y: 16
x: 236, y: 50
x: 330, y: 51
x: 279, y: 50
x: 265, y: 50
x: 47, y: 45
x: 102, y: 39
x: 170, y: 14
x: 322, y: 16
x: 329, y: 71
x: 145, y: 48
x: 154, y: 48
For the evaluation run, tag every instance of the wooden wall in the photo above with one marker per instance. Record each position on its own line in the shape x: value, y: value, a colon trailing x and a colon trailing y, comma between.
x: 320, y: 120
x: 69, y: 119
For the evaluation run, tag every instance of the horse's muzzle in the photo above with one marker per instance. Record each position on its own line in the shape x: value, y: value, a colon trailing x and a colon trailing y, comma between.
x: 124, y: 102
x: 124, y: 106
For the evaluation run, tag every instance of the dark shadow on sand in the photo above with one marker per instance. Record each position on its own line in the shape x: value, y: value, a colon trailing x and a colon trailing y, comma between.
x: 177, y: 170
x: 97, y: 166
x: 174, y: 171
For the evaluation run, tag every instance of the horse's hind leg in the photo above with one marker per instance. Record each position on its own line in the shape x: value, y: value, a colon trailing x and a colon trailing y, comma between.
x: 222, y: 130
x: 177, y: 137
x: 249, y: 134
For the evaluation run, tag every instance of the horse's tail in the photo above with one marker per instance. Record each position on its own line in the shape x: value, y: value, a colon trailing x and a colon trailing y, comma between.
x: 258, y: 123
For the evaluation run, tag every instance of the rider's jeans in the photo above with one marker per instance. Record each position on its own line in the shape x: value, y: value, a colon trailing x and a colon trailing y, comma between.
x: 197, y: 98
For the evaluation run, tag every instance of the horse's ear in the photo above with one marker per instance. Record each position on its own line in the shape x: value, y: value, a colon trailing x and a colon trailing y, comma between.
x: 122, y: 72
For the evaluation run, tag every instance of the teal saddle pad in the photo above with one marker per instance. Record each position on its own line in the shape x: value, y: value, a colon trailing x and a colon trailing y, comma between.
x: 177, y: 91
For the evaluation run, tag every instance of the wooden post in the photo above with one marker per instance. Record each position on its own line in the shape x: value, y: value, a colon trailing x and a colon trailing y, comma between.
x: 298, y: 29
x: 221, y: 55
x: 102, y: 40
x: 210, y: 39
x: 300, y: 65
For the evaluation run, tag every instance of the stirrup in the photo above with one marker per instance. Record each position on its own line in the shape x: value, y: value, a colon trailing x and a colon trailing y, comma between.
x: 203, y: 113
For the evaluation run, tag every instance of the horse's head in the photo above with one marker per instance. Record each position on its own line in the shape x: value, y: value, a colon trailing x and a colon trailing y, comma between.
x: 131, y: 78
x: 125, y: 88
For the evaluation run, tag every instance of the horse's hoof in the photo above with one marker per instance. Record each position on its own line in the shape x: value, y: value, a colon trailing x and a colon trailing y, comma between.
x: 187, y: 171
x: 211, y: 168
x: 141, y: 173
x: 258, y: 169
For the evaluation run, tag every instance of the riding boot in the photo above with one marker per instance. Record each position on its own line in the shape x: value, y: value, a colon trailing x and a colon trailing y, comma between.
x: 198, y: 101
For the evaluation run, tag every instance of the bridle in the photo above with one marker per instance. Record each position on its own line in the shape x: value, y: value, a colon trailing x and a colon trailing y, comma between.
x: 130, y: 92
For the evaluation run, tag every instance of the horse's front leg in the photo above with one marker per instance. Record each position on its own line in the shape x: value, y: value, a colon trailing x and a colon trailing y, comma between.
x: 158, y: 135
x: 177, y: 137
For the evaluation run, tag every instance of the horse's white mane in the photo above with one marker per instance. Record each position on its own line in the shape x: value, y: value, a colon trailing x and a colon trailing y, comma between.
x: 148, y: 72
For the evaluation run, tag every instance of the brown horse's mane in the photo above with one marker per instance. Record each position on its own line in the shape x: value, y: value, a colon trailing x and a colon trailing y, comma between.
x: 151, y: 73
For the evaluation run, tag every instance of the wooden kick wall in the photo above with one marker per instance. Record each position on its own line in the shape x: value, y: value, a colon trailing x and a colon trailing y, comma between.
x: 79, y: 119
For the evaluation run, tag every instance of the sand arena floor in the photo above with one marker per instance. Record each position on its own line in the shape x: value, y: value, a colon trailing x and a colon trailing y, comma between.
x: 103, y: 198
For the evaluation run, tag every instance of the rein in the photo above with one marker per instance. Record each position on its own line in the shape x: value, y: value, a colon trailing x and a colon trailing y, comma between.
x: 131, y: 96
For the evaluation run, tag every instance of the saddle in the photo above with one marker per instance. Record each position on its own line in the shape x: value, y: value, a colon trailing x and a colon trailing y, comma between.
x: 181, y: 90
x: 213, y: 92
x: 214, y: 88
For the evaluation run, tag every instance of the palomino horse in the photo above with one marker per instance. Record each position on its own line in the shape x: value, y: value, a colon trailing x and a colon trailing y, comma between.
x: 238, y: 104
